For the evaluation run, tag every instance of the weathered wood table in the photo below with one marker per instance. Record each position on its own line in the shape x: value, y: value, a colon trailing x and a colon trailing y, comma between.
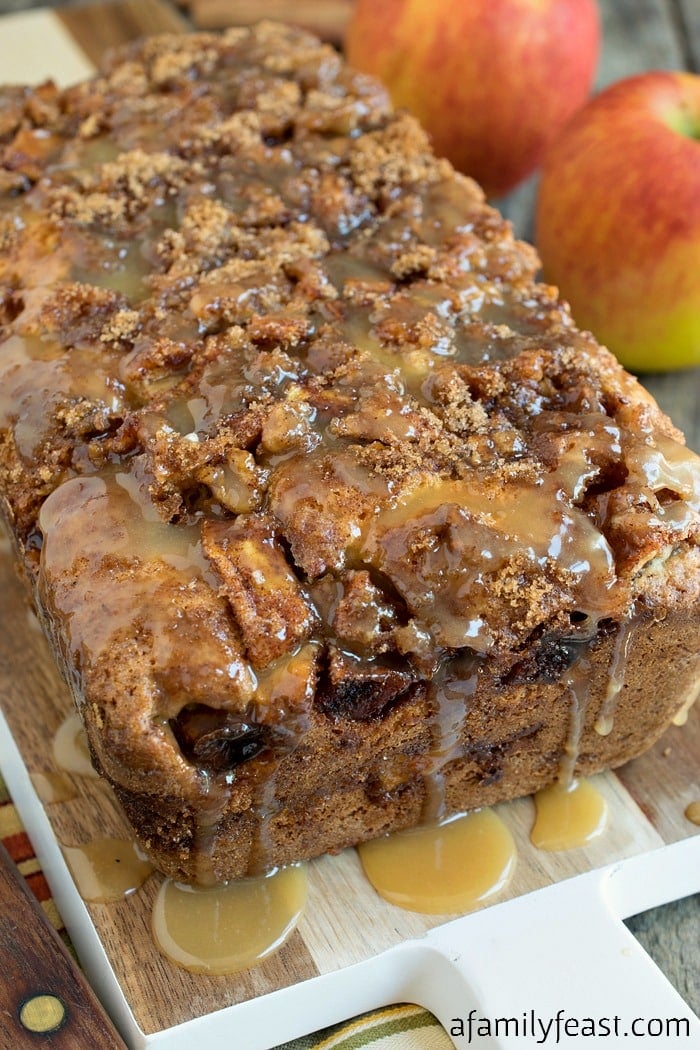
x: 637, y: 35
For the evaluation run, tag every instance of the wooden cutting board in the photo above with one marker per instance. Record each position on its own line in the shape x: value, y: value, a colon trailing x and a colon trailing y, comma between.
x: 345, y: 922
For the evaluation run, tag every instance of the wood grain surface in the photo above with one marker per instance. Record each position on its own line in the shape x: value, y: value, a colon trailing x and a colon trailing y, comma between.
x: 99, y: 27
x: 345, y: 922
x: 44, y: 997
x: 326, y: 18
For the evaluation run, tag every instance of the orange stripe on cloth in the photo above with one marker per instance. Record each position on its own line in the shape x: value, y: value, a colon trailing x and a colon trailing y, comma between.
x: 18, y: 846
x: 38, y: 885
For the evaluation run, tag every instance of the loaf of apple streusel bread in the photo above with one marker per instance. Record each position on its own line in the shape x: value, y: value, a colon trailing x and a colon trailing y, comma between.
x: 335, y: 521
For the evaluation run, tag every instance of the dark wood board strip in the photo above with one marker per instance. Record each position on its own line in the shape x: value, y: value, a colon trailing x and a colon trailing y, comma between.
x: 98, y: 27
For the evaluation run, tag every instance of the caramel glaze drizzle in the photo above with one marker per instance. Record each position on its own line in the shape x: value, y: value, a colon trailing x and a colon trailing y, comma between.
x: 133, y: 559
x: 322, y: 434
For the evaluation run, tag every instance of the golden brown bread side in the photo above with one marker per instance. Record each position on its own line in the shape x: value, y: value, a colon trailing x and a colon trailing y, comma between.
x: 334, y: 519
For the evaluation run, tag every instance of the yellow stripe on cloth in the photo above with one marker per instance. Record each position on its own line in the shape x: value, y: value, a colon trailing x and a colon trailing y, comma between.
x: 10, y: 824
x: 51, y: 912
x: 29, y: 867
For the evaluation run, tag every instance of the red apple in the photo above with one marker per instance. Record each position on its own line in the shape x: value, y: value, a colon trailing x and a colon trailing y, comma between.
x: 491, y: 80
x: 618, y: 219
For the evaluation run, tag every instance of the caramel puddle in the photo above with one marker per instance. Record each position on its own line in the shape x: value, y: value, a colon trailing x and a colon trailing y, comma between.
x: 568, y: 815
x: 681, y: 716
x: 53, y: 787
x: 442, y: 868
x: 70, y: 747
x: 222, y: 929
x: 106, y: 870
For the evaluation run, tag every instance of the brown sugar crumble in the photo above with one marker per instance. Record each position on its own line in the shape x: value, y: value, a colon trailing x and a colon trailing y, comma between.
x: 312, y: 477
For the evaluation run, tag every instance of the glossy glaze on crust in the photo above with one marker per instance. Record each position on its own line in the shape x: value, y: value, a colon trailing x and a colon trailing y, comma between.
x: 336, y: 521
